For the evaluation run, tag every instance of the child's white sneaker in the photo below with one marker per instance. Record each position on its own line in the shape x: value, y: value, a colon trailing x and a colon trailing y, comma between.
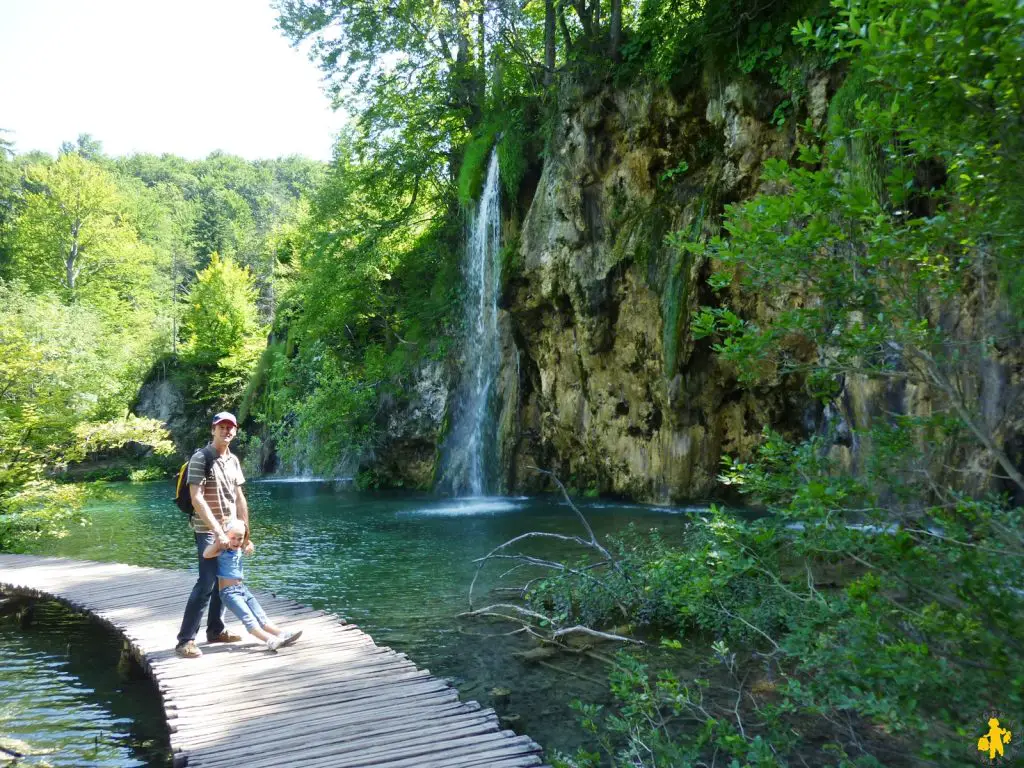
x: 289, y: 638
x: 273, y: 643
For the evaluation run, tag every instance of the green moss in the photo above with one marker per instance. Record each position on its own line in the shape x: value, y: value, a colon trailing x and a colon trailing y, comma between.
x: 642, y: 226
x: 675, y: 297
x: 509, y: 261
x: 513, y: 153
x: 673, y: 308
x: 259, y: 390
x: 474, y: 165
x: 865, y: 157
x: 509, y: 133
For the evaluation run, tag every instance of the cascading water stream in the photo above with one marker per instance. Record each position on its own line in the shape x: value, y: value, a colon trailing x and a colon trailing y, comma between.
x: 470, y: 451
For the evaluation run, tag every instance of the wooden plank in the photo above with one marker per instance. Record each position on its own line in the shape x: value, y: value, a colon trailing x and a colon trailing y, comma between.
x: 514, y: 761
x: 306, y: 686
x: 334, y: 700
x: 280, y: 667
x: 250, y: 654
x: 343, y: 698
x: 265, y: 731
x: 296, y: 739
x: 441, y: 753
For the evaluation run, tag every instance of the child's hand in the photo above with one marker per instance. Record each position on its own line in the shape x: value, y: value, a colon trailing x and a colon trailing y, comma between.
x: 248, y: 549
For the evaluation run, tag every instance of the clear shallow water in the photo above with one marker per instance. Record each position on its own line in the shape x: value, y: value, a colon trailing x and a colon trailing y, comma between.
x: 397, y: 564
x: 65, y: 702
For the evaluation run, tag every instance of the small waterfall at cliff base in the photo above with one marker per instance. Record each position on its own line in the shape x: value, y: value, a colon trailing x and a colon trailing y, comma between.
x: 469, y: 453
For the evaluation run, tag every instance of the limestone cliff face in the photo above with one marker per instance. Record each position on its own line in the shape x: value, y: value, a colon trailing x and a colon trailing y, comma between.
x: 163, y: 398
x: 611, y: 390
x: 413, y: 427
x: 601, y: 380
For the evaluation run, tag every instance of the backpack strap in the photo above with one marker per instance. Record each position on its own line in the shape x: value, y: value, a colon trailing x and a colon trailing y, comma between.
x: 208, y: 458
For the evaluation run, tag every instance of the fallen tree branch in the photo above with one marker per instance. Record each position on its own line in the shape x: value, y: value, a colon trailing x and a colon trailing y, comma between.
x: 489, y: 611
x: 581, y: 630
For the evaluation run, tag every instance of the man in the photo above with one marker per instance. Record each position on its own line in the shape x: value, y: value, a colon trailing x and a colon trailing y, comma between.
x: 217, y: 497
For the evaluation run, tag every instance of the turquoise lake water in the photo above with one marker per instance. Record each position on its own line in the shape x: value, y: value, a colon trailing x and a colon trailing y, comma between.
x: 397, y: 564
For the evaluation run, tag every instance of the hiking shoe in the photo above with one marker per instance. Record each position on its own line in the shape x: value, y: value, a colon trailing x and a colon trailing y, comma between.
x: 224, y: 637
x: 273, y: 643
x: 289, y: 638
x: 188, y: 650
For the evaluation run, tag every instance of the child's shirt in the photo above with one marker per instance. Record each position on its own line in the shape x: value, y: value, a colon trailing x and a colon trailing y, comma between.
x: 229, y: 564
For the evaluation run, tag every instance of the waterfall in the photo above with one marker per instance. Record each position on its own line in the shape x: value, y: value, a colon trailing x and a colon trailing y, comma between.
x: 469, y: 456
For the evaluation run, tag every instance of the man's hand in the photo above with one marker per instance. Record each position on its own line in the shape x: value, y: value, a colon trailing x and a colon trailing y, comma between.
x: 222, y: 538
x: 248, y: 549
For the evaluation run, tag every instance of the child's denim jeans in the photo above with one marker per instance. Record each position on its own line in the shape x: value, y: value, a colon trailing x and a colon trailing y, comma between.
x: 241, y: 602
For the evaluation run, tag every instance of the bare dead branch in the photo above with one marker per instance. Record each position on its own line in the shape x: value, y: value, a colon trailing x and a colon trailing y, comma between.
x: 579, y: 629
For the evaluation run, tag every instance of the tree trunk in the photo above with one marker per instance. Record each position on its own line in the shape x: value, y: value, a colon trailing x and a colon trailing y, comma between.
x: 549, y: 42
x: 615, y: 30
x: 584, y: 13
x: 482, y: 41
x: 566, y: 35
x: 71, y: 260
x: 468, y: 80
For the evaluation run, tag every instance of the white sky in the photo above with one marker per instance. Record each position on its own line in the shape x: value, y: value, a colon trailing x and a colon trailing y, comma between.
x: 180, y: 76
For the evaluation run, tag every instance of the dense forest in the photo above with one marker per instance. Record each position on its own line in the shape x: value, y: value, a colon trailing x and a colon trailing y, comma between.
x: 810, y: 212
x: 109, y: 267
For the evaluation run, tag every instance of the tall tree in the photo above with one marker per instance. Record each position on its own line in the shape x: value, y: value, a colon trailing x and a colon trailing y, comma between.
x: 615, y: 30
x: 412, y: 75
x: 221, y: 320
x: 72, y: 235
x: 86, y: 145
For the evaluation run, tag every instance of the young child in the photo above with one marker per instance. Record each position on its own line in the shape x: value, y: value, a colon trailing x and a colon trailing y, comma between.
x: 236, y: 596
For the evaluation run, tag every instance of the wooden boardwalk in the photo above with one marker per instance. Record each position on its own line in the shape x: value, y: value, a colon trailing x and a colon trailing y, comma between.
x: 333, y: 700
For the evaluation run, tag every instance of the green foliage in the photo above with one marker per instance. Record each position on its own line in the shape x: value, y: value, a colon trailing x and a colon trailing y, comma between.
x: 91, y: 437
x: 679, y: 170
x: 902, y: 633
x: 373, y: 292
x: 73, y: 235
x: 147, y: 475
x: 38, y: 509
x: 332, y: 423
x: 64, y: 378
x: 882, y: 257
x: 94, y: 255
x: 671, y: 42
x: 221, y: 321
x: 266, y: 393
x: 9, y: 198
x: 877, y: 614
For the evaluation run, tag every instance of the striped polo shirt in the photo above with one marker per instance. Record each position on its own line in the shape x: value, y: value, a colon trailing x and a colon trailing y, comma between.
x: 220, y: 491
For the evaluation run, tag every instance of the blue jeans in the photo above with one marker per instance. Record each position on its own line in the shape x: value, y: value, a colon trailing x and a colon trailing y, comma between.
x: 205, y: 591
x: 240, y: 600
